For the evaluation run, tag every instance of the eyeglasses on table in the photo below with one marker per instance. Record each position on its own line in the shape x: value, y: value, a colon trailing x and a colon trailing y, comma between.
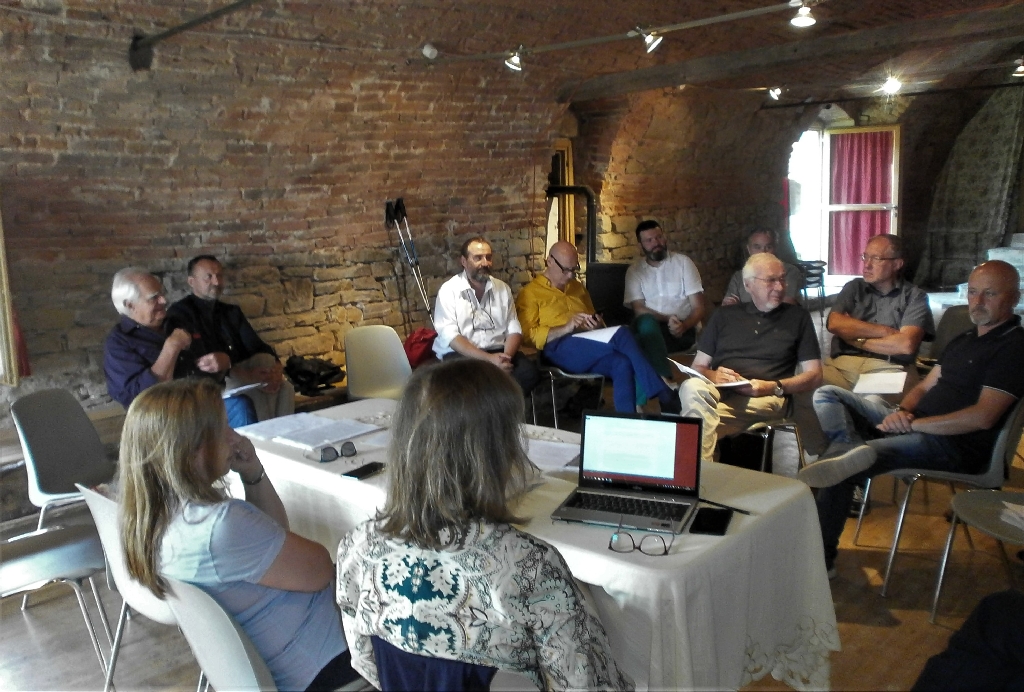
x: 652, y: 544
x: 329, y: 453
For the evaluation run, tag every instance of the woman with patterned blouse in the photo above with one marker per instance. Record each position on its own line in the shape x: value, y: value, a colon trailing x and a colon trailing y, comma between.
x: 441, y: 572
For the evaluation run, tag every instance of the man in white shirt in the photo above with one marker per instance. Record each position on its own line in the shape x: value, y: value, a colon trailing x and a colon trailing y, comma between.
x: 664, y: 291
x: 475, y: 317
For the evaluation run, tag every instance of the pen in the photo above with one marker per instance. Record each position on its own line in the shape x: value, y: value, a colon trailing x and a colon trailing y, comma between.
x: 724, y: 506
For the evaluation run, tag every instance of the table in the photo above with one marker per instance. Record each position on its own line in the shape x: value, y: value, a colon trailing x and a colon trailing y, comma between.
x: 716, y: 613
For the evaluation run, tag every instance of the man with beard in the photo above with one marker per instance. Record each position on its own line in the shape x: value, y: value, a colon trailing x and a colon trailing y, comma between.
x: 948, y: 422
x: 759, y: 343
x: 665, y: 293
x: 226, y: 348
x: 475, y: 317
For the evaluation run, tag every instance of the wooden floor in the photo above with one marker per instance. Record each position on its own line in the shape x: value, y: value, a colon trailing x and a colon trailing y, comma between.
x: 885, y: 641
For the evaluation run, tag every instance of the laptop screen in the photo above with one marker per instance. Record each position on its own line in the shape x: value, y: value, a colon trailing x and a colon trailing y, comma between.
x: 627, y: 449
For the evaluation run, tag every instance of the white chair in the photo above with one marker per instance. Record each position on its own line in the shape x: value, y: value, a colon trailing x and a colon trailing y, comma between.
x: 993, y: 477
x: 134, y: 595
x: 61, y: 448
x: 68, y: 554
x: 376, y: 363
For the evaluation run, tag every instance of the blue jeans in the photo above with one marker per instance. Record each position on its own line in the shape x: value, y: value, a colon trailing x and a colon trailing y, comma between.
x: 240, y: 411
x: 846, y: 417
x: 620, y: 359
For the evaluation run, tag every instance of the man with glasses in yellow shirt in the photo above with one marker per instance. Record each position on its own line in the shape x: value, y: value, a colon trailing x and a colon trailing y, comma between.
x: 475, y: 317
x: 555, y: 311
x: 878, y: 321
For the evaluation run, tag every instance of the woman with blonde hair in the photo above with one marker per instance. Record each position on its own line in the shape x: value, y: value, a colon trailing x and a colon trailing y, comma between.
x: 441, y: 573
x: 177, y: 521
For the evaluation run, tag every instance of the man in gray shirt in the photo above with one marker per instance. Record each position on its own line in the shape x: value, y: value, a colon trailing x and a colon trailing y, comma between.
x: 763, y: 240
x: 879, y: 321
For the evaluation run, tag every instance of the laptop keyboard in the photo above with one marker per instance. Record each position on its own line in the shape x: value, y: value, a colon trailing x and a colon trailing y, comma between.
x: 653, y: 509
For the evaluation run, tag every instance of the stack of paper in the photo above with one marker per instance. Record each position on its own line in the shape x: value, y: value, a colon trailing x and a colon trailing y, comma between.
x: 307, y: 431
x: 1013, y: 515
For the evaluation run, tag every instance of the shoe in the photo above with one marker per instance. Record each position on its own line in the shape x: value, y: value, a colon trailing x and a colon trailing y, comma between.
x: 858, y: 500
x: 832, y: 572
x: 825, y: 473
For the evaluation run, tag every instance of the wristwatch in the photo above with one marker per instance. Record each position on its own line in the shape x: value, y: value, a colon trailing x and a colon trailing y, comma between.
x: 779, y: 391
x: 859, y: 343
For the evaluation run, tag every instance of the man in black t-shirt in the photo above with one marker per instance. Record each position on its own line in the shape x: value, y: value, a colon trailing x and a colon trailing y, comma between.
x: 761, y: 343
x: 948, y: 422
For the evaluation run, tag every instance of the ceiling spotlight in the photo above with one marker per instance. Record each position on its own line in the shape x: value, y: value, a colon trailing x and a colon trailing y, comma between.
x: 651, y: 39
x: 775, y: 93
x: 429, y: 52
x: 1019, y: 72
x: 513, y: 61
x: 803, y: 17
x: 891, y: 86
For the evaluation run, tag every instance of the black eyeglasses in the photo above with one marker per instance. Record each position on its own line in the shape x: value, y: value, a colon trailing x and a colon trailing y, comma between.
x: 652, y: 544
x: 876, y: 259
x: 329, y: 453
x: 574, y: 270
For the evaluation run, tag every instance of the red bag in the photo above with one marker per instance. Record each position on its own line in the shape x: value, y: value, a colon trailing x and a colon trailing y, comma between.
x: 419, y: 346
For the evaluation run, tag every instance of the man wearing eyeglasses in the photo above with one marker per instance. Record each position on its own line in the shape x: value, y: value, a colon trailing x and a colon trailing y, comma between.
x: 475, y: 317
x: 749, y: 353
x: 878, y: 321
x: 555, y: 310
x: 664, y: 291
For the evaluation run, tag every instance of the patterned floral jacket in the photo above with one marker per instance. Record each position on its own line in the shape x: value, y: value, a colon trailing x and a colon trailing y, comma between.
x: 502, y: 598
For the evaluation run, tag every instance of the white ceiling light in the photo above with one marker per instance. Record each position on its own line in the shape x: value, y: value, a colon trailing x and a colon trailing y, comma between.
x: 429, y: 52
x: 513, y: 61
x: 651, y: 39
x: 891, y: 86
x: 1019, y: 72
x: 775, y: 93
x: 803, y: 17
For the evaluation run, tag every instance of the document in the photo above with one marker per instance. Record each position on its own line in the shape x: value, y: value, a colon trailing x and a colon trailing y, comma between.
x: 693, y: 373
x: 603, y: 335
x: 1013, y: 514
x: 551, y: 456
x: 307, y: 431
x: 880, y: 383
x: 228, y: 393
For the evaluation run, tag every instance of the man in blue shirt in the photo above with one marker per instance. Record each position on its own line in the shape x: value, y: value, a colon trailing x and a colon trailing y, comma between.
x: 136, y: 354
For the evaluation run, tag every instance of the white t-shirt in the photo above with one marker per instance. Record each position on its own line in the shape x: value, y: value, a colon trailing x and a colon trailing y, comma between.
x: 225, y: 549
x: 664, y: 288
x: 486, y: 322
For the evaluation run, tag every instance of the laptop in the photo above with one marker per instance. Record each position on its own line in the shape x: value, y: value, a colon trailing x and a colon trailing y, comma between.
x: 641, y: 470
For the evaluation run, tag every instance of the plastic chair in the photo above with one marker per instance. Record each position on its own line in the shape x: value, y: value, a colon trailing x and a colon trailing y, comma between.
x: 814, y: 283
x: 981, y: 509
x: 955, y: 321
x: 61, y: 448
x: 224, y: 651
x: 133, y: 594
x: 1002, y: 456
x: 68, y: 554
x: 377, y: 365
x: 555, y: 373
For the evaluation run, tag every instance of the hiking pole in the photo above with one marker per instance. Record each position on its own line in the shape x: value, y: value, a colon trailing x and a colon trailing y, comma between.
x: 395, y: 217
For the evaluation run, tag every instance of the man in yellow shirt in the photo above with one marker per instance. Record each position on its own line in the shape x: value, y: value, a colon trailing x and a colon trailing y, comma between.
x: 555, y: 309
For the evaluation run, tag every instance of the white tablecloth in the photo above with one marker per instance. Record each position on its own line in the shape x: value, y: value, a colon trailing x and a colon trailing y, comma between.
x: 716, y: 613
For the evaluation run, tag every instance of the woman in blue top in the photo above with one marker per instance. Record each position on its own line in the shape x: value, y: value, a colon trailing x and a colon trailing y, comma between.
x: 177, y: 521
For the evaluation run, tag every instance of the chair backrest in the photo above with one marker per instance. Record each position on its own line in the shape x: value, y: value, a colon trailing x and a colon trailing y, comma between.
x: 1005, y: 448
x: 140, y: 598
x: 376, y: 362
x: 954, y: 321
x: 61, y: 445
x: 224, y: 651
x: 398, y: 670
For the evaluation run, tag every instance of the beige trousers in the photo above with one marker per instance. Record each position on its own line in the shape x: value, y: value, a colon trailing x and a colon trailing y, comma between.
x: 725, y: 413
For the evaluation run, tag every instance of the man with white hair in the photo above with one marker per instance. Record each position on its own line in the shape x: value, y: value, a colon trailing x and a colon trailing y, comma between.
x: 761, y: 343
x: 136, y: 354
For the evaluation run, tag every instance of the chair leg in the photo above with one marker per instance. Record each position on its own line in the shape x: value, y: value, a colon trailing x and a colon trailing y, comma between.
x: 942, y: 567
x: 533, y: 404
x: 896, y: 535
x: 115, y: 648
x: 77, y: 586
x: 863, y: 508
x: 554, y: 402
x: 204, y: 683
x: 102, y: 613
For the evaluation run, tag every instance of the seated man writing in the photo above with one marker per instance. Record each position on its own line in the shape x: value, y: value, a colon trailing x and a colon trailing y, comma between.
x: 948, y: 422
x: 555, y: 308
x: 761, y: 342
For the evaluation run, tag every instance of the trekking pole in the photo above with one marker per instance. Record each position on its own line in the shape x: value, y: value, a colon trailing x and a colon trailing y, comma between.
x: 395, y: 217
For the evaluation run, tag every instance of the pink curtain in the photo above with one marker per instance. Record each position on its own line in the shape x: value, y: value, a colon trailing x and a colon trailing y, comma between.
x: 861, y: 174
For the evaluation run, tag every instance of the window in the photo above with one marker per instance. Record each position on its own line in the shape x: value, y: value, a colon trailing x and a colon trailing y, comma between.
x: 562, y: 210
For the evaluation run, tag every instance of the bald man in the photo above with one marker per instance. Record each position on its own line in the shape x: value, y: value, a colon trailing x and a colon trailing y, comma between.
x: 948, y: 422
x: 762, y: 342
x: 555, y: 308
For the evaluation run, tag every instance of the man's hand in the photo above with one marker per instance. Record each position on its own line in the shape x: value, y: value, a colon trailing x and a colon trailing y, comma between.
x: 502, y: 360
x: 898, y: 422
x: 757, y: 388
x: 724, y: 376
x: 214, y: 363
x: 675, y: 326
x: 731, y: 299
x: 180, y: 339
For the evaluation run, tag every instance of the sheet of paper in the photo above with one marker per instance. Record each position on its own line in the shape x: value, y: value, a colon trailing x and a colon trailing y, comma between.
x: 880, y: 383
x: 551, y: 456
x: 693, y: 373
x: 271, y: 428
x: 603, y: 335
x: 1013, y: 514
x: 332, y: 432
x: 243, y: 388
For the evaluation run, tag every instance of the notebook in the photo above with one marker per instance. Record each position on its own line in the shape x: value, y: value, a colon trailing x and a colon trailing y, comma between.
x: 642, y: 470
